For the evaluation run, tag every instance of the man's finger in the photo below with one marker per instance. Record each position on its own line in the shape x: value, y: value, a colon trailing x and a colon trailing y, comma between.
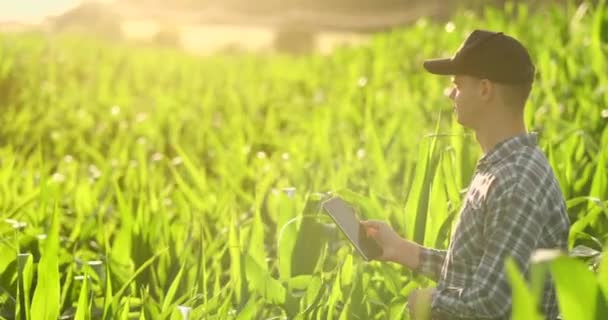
x: 371, y: 224
x: 411, y: 302
x: 371, y: 231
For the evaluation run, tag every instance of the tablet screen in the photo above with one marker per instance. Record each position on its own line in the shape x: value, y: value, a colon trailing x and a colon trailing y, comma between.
x: 345, y: 217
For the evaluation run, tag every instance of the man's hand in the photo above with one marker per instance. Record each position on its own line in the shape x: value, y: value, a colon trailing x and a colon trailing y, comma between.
x: 394, y: 248
x: 390, y: 242
x: 419, y: 303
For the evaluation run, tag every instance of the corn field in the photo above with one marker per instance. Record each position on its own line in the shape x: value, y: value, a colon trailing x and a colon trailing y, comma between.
x: 145, y: 183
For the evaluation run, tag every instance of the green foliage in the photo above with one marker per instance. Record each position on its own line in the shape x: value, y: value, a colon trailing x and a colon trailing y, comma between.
x: 579, y: 296
x: 146, y: 183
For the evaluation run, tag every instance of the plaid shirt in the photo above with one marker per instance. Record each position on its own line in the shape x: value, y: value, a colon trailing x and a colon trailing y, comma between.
x: 513, y: 206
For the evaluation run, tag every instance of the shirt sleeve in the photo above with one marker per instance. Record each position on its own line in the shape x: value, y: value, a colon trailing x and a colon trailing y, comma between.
x: 512, y: 226
x: 430, y: 262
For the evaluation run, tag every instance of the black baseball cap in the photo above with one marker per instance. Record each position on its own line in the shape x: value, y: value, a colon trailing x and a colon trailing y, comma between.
x: 487, y: 55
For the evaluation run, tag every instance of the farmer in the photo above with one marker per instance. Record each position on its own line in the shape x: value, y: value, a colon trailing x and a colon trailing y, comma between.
x: 513, y: 205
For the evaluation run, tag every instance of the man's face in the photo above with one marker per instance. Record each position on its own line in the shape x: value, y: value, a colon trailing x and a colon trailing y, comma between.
x: 467, y: 100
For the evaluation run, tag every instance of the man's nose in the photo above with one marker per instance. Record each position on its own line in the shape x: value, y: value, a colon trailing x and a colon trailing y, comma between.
x: 452, y: 94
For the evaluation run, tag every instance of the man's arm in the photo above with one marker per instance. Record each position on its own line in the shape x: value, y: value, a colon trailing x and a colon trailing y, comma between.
x: 513, y: 225
x: 407, y: 253
x: 430, y: 262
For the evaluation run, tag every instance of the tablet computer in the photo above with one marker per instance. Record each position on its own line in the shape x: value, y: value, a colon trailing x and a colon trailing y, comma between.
x: 345, y: 216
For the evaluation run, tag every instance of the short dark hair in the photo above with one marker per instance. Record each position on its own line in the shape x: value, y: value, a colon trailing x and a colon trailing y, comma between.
x: 515, y: 95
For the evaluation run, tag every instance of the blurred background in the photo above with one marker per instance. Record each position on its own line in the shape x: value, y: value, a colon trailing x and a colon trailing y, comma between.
x: 211, y: 26
x: 166, y: 158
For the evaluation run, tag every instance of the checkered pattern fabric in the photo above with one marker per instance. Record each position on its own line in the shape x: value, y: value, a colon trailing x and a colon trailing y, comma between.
x: 513, y: 206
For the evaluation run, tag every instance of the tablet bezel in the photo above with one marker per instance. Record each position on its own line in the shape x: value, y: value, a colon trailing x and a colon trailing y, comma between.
x: 337, y: 205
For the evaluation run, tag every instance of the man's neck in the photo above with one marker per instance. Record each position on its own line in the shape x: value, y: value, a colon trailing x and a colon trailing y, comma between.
x: 493, y: 133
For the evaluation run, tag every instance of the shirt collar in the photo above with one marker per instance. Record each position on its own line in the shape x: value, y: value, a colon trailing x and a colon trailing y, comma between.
x: 506, y: 147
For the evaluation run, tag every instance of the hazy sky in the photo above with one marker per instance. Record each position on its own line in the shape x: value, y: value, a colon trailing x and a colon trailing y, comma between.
x: 34, y: 10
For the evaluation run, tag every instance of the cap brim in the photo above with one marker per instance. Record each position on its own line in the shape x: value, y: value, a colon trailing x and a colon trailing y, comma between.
x: 444, y: 66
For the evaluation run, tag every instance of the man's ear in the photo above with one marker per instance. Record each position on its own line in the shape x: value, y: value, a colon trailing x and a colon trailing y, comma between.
x: 486, y: 89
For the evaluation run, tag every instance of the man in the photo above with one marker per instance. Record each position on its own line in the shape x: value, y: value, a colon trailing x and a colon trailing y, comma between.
x: 514, y: 204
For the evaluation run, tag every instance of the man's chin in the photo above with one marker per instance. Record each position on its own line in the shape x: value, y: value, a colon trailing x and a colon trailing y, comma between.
x: 462, y: 122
